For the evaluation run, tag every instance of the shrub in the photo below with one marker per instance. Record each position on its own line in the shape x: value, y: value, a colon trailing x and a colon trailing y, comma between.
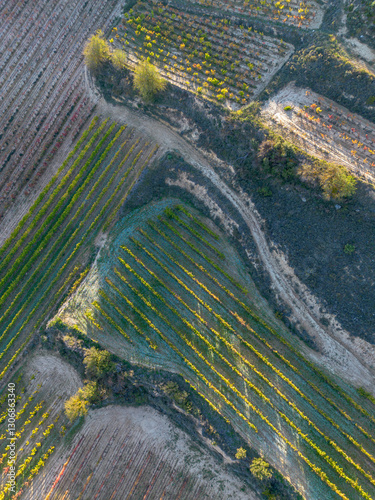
x: 90, y: 392
x: 72, y: 342
x: 349, y: 249
x: 148, y: 81
x: 77, y: 405
x: 241, y: 453
x: 180, y: 397
x: 362, y: 392
x: 96, y: 51
x: 278, y: 158
x: 260, y: 469
x: 97, y: 362
x: 265, y: 191
x: 337, y: 183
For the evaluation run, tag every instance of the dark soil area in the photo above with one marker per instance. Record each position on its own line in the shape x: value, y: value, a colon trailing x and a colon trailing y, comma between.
x: 314, y: 234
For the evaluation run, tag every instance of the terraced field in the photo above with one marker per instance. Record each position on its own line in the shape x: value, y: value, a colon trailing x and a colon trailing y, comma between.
x: 49, y: 250
x: 209, y: 56
x: 43, y: 106
x: 169, y: 292
x: 324, y: 128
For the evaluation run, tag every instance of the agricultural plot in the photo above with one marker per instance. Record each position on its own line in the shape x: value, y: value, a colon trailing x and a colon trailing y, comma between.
x: 208, y: 56
x: 168, y: 292
x: 42, y: 102
x: 125, y: 453
x: 324, y: 129
x: 49, y: 250
x: 40, y: 421
x: 304, y: 14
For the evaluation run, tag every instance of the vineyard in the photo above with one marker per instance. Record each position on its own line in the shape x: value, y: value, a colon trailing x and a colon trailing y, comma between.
x: 211, y: 57
x: 40, y: 420
x: 165, y: 291
x: 43, y: 105
x: 324, y: 129
x: 303, y: 14
x: 136, y: 455
x: 160, y: 286
x: 48, y: 252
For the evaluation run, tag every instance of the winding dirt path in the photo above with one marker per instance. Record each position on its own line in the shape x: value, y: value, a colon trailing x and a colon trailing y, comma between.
x: 351, y: 359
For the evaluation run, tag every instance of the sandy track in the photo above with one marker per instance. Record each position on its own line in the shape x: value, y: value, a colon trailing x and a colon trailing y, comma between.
x: 351, y: 359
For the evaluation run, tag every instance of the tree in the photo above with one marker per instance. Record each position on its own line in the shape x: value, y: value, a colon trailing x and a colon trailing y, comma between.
x: 97, y: 362
x: 147, y: 80
x: 241, y: 453
x: 337, y: 183
x: 118, y: 58
x: 96, y: 51
x: 335, y: 180
x: 76, y: 406
x: 260, y: 469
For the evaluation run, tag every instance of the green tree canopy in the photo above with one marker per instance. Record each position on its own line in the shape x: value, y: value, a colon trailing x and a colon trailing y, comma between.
x: 77, y: 405
x: 148, y: 81
x: 337, y: 183
x: 96, y: 51
x: 97, y: 362
x: 335, y: 180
